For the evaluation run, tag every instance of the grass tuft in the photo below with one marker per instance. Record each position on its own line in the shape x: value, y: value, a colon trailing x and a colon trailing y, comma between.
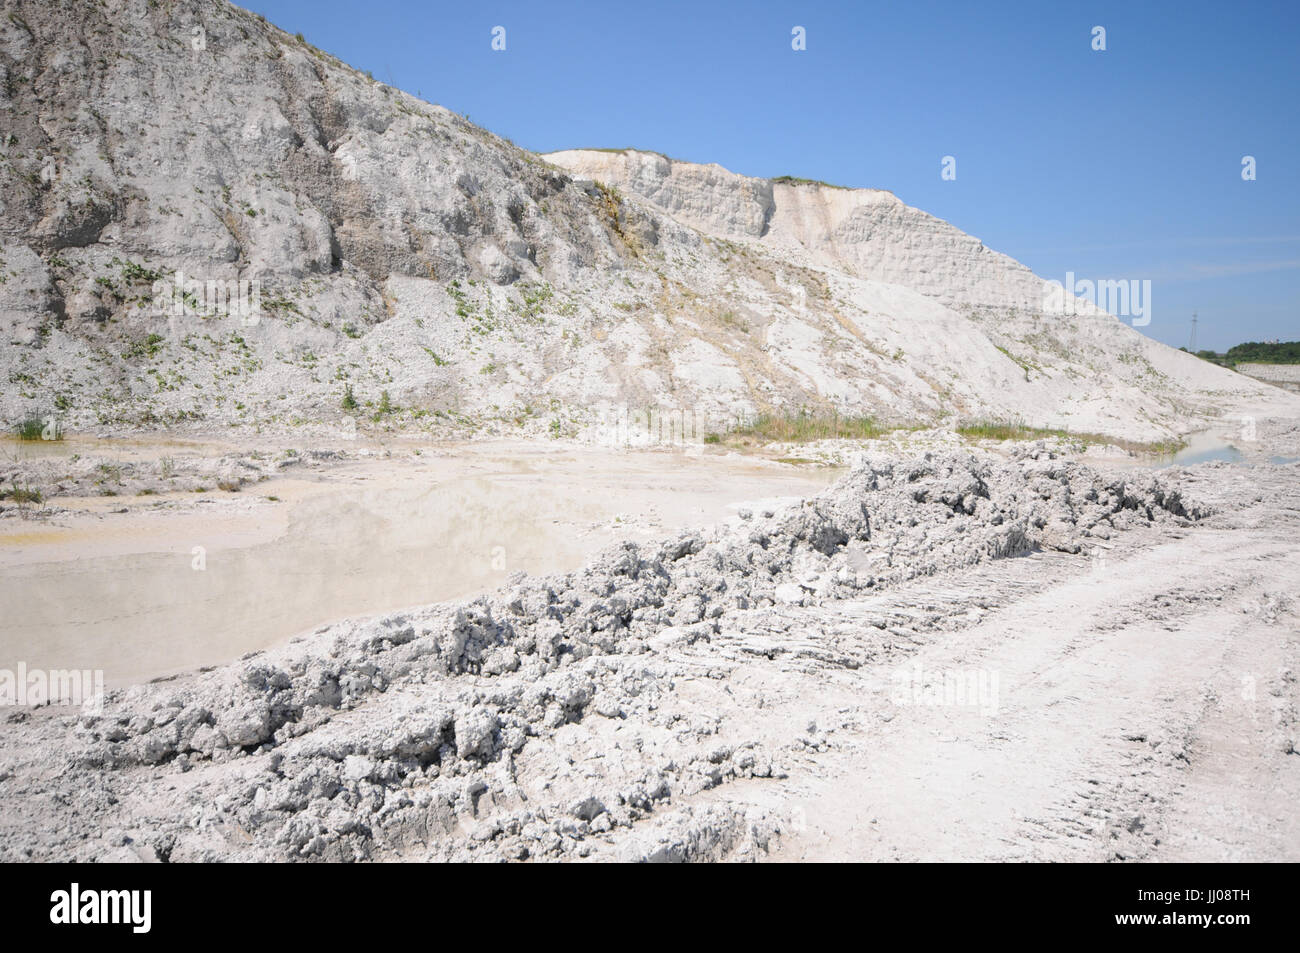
x: 1006, y: 430
x: 30, y: 428
x: 20, y: 494
x: 804, y: 427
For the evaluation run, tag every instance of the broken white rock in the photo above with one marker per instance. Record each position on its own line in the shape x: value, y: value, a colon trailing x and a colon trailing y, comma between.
x: 791, y: 593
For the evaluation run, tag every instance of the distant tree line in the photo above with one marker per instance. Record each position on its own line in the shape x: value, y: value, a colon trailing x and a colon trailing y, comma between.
x: 1255, y: 352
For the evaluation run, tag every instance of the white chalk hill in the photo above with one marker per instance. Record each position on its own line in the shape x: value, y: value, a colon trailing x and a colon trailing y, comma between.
x: 398, y: 248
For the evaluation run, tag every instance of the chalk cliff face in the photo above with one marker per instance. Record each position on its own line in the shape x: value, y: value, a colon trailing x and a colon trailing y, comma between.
x: 869, y: 233
x: 157, y: 154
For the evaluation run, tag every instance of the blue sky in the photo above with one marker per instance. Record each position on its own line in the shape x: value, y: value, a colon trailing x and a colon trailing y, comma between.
x: 1117, y: 164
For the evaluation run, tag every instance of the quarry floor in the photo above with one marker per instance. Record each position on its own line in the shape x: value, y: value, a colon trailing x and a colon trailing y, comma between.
x: 1145, y: 702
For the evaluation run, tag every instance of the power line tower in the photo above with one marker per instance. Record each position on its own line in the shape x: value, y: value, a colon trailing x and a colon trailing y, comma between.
x: 1191, y: 345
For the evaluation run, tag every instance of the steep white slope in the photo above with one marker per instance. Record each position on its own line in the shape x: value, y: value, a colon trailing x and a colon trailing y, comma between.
x: 1085, y: 370
x: 450, y: 281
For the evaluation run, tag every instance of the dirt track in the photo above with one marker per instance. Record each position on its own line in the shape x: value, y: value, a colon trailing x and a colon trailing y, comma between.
x: 1146, y: 712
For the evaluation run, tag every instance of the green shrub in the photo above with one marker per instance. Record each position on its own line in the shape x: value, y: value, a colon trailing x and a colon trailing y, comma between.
x: 133, y: 272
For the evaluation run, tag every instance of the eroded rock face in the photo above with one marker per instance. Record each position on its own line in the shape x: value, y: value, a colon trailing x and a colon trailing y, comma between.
x: 707, y: 197
x: 865, y: 232
x: 542, y: 720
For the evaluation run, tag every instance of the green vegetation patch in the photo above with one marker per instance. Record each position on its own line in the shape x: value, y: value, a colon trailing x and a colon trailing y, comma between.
x: 1255, y: 352
x: 804, y: 427
x: 1018, y: 430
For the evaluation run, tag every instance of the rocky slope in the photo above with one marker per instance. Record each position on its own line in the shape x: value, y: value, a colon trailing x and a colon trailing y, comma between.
x: 445, y: 279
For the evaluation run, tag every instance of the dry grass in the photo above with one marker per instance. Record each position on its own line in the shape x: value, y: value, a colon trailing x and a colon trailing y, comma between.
x: 802, y: 428
x: 1006, y: 430
x: 1018, y: 430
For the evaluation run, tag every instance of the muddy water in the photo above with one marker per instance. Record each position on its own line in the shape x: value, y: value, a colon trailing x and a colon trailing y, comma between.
x: 1203, y: 448
x: 129, y: 594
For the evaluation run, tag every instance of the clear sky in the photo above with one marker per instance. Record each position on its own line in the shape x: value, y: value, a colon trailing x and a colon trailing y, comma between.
x: 1122, y: 164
